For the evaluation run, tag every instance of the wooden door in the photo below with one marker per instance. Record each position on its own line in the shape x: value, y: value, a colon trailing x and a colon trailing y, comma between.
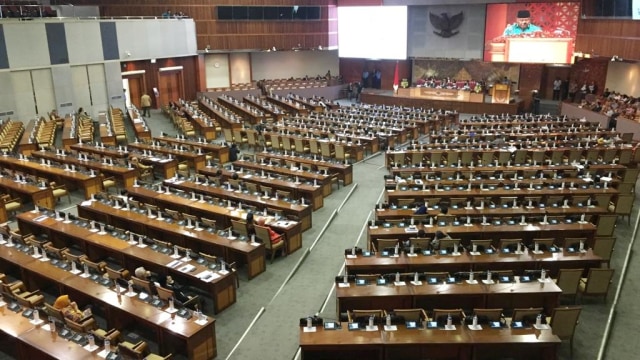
x: 136, y: 88
x: 170, y: 87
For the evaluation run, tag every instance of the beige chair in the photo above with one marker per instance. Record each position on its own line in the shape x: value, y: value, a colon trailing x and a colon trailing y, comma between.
x: 440, y: 315
x: 117, y: 274
x: 142, y: 285
x: 165, y: 294
x: 133, y: 351
x: 59, y: 191
x: 418, y: 315
x: 624, y: 206
x: 53, y: 313
x: 30, y: 299
x: 524, y: 314
x: 239, y: 227
x: 209, y: 223
x: 563, y: 323
x: 422, y: 243
x: 341, y: 154
x: 96, y: 267
x: 488, y: 314
x: 262, y: 233
x: 606, y: 225
x: 325, y: 150
x: 300, y: 147
x: 108, y: 183
x: 597, y: 283
x: 382, y: 244
x: 603, y: 247
x: 544, y: 243
x: 568, y: 281
x: 12, y: 206
x: 356, y: 315
x: 83, y: 326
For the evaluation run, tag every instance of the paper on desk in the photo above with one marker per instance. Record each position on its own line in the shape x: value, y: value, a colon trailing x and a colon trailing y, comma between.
x: 174, y: 263
x: 187, y: 268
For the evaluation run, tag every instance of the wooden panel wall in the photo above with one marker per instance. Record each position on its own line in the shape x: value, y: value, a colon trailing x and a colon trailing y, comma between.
x: 351, y: 70
x: 190, y: 73
x: 607, y: 37
x: 530, y: 79
x: 236, y: 35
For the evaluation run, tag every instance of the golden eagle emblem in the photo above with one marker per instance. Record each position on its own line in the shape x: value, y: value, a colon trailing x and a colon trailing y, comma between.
x: 446, y: 25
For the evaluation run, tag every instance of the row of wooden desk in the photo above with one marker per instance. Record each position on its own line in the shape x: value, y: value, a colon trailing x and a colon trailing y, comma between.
x: 508, y: 296
x: 309, y: 191
x: 415, y: 344
x: 223, y: 215
x: 72, y: 179
x: 302, y: 212
x: 550, y: 261
x: 344, y: 171
x: 172, y: 333
x: 197, y: 240
x: 479, y: 232
x: 130, y: 256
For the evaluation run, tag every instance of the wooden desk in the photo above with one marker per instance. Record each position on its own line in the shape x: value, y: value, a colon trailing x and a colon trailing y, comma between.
x: 34, y: 342
x: 303, y: 212
x: 139, y: 125
x: 551, y: 262
x: 345, y: 172
x: 28, y: 141
x: 124, y: 175
x: 478, y: 231
x: 448, y: 296
x: 223, y: 215
x: 110, y: 152
x: 303, y: 176
x: 90, y: 184
x: 226, y: 119
x: 248, y: 112
x: 195, y: 161
x: 421, y: 343
x: 120, y: 311
x: 220, y: 152
x: 197, y: 241
x: 98, y: 246
x: 497, y: 212
x: 297, y: 190
x: 42, y: 197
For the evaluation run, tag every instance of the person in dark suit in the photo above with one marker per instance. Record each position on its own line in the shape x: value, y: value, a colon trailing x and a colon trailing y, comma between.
x: 421, y: 210
x: 233, y: 153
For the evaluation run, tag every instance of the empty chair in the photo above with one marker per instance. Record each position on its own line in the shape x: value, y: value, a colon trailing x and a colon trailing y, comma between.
x: 117, y: 274
x: 544, y: 244
x: 300, y: 147
x: 59, y: 191
x: 362, y: 316
x: 603, y: 247
x: 563, y: 323
x: 325, y: 150
x: 441, y: 315
x: 597, y: 283
x: 509, y: 244
x: 341, y: 153
x: 405, y: 202
x: 624, y: 206
x: 383, y: 244
x: 239, y: 227
x: 527, y: 315
x: 12, y: 206
x: 488, y: 315
x: 19, y: 292
x: 133, y: 351
x: 401, y: 316
x: 481, y: 245
x: 142, y: 285
x: 606, y: 225
x: 569, y: 280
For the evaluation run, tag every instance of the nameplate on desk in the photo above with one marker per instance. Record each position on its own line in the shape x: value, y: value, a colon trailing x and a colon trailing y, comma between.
x: 390, y: 328
x: 187, y: 268
x: 541, y: 327
x: 309, y: 329
x: 40, y: 218
x: 174, y: 263
x: 475, y: 327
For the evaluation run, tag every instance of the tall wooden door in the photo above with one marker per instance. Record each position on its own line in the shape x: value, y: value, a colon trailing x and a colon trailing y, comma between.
x: 136, y: 88
x: 171, y: 86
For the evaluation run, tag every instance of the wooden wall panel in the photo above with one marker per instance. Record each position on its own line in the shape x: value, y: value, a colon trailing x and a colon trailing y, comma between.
x: 190, y: 73
x: 607, y: 37
x: 530, y: 78
x: 245, y: 34
x: 588, y: 70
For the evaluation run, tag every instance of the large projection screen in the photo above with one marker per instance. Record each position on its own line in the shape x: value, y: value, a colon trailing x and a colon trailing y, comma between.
x: 372, y: 32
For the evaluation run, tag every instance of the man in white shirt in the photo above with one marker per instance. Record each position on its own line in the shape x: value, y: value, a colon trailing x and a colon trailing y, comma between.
x: 557, y: 83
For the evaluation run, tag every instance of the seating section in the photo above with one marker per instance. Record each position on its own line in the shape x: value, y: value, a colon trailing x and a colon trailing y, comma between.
x: 10, y: 133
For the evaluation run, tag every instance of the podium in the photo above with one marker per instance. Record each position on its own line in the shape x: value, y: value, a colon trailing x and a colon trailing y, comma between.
x: 532, y: 50
x: 501, y: 93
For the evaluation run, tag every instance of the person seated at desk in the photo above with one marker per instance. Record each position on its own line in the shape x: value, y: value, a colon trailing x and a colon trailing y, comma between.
x: 440, y: 235
x: 69, y: 309
x: 167, y: 282
x: 234, y: 152
x: 144, y: 274
x: 421, y: 210
x: 444, y: 210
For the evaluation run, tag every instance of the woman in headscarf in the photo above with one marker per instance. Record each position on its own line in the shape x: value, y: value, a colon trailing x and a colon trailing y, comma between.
x: 69, y: 309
